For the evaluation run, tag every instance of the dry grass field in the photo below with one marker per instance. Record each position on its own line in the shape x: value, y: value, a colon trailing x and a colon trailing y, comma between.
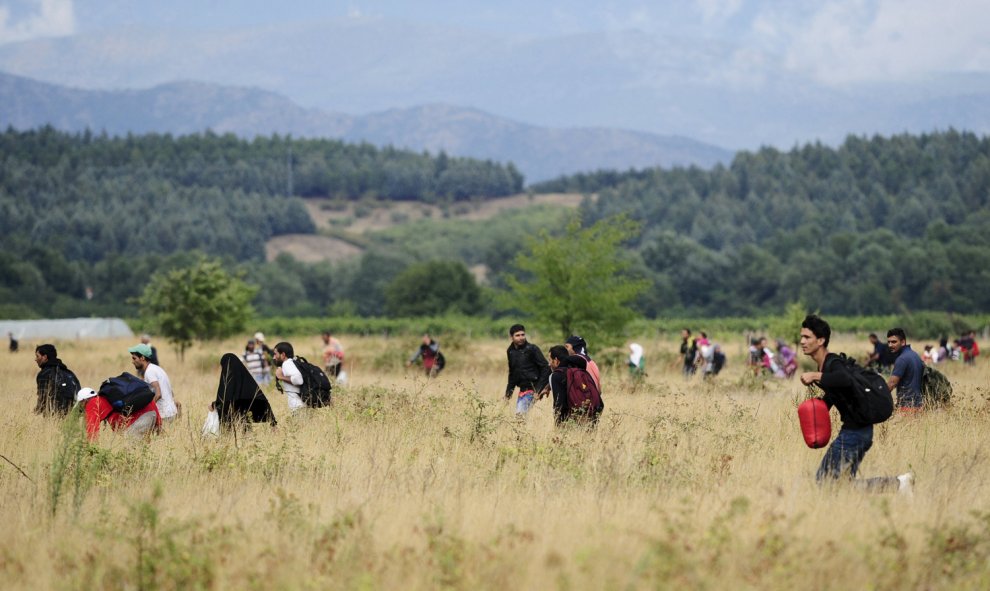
x: 413, y: 484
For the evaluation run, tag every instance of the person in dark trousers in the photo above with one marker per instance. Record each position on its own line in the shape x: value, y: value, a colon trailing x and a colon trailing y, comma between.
x: 689, y: 350
x: 528, y: 369
x: 908, y: 368
x: 57, y: 385
x: 846, y: 452
x: 238, y: 396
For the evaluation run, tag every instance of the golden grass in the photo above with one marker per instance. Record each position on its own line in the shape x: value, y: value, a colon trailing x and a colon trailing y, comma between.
x: 415, y: 484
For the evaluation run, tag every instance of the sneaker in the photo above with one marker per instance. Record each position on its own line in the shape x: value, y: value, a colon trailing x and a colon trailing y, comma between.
x: 906, y: 484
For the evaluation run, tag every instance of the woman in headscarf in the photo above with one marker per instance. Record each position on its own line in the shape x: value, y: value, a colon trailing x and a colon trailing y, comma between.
x: 637, y: 366
x: 238, y: 394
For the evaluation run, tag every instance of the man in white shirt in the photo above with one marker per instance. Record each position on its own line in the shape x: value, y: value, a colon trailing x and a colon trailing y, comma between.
x: 288, y: 375
x: 156, y: 377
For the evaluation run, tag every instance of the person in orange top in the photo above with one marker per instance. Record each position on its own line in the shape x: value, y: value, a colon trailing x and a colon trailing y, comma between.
x: 97, y: 409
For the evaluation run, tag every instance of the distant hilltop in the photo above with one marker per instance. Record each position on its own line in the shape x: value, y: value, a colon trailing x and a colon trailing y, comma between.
x: 539, y: 153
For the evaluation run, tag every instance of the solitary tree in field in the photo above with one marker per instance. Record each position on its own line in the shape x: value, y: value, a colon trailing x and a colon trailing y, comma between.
x: 199, y: 302
x: 578, y: 281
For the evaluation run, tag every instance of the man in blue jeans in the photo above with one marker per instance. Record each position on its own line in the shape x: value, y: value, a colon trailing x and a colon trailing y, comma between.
x: 854, y: 439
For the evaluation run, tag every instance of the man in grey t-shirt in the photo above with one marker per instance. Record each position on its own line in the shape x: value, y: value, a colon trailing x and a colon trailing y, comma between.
x: 908, y: 368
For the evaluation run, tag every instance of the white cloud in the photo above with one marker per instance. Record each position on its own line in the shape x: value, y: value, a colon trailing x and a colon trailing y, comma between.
x: 848, y: 41
x: 718, y: 10
x: 44, y: 18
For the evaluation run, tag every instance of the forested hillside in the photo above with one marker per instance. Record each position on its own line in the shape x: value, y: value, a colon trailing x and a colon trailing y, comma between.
x: 876, y: 225
x: 91, y: 216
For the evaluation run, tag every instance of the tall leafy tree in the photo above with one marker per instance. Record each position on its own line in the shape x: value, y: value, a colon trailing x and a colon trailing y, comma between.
x: 578, y: 281
x: 199, y: 302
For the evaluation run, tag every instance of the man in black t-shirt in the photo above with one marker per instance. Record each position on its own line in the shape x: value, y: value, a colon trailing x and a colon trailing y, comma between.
x: 854, y: 439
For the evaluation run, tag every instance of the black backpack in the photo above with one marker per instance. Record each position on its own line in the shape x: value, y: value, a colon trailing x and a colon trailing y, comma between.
x: 66, y: 387
x: 441, y: 361
x: 873, y: 402
x: 316, y: 388
x: 127, y: 393
x: 936, y: 389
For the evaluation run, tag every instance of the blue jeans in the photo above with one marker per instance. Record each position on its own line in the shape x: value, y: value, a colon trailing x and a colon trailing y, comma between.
x: 845, y: 453
x: 524, y: 401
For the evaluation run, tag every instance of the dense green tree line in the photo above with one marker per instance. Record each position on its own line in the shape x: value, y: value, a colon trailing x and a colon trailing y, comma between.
x: 877, y: 225
x: 85, y: 213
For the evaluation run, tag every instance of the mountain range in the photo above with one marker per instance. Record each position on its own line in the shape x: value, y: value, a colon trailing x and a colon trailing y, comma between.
x: 721, y: 90
x: 190, y: 107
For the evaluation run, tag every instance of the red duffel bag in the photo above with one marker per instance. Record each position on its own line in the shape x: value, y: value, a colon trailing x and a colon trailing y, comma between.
x: 815, y: 422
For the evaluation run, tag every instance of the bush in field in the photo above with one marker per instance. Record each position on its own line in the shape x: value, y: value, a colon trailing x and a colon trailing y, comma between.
x: 433, y: 288
x: 199, y: 302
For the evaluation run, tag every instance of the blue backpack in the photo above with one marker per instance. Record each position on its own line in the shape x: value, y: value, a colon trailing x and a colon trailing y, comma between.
x: 127, y: 393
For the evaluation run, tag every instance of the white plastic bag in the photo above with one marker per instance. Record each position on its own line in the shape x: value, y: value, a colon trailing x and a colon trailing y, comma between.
x: 342, y: 378
x: 211, y: 428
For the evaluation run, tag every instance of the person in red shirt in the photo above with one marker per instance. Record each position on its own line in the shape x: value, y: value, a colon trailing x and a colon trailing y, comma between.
x: 97, y: 409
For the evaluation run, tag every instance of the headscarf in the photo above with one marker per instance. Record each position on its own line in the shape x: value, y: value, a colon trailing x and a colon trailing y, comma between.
x: 637, y: 354
x: 238, y: 393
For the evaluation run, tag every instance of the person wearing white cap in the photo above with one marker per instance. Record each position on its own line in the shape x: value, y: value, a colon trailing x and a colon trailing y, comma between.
x: 98, y: 409
x: 156, y: 377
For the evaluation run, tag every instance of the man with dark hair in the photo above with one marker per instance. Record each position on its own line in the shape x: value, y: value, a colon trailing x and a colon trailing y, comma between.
x: 146, y: 340
x: 908, y: 368
x: 57, y: 385
x: 156, y: 377
x: 288, y: 375
x: 560, y: 362
x: 528, y: 369
x: 846, y: 452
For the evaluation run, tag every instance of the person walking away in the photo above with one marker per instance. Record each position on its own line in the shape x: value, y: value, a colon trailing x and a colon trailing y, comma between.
x: 57, y: 385
x: 13, y: 342
x: 429, y: 352
x: 288, y: 375
x: 333, y: 354
x: 97, y: 409
x: 155, y: 377
x: 718, y: 361
x: 239, y: 397
x: 560, y: 362
x: 844, y: 455
x: 908, y: 369
x: 254, y: 361
x: 528, y: 369
x: 578, y: 346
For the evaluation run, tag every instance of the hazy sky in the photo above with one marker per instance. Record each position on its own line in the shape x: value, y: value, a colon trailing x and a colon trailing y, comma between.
x: 834, y: 41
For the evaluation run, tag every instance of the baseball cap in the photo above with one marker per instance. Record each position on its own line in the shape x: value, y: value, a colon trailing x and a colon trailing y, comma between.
x: 142, y: 350
x: 259, y: 336
x: 85, y: 394
x: 576, y: 342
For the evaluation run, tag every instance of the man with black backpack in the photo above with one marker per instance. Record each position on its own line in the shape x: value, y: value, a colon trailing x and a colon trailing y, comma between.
x: 290, y: 379
x: 57, y: 385
x: 133, y: 421
x: 859, y: 406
